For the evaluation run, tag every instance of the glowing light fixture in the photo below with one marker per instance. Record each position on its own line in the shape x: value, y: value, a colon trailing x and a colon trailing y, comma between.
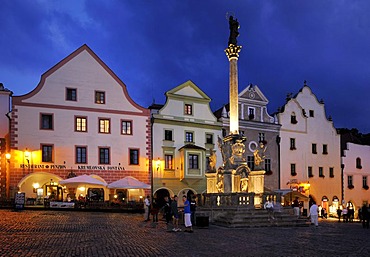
x: 7, y: 156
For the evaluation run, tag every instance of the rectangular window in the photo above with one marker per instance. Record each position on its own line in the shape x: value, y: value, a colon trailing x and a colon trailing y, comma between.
x: 104, y: 155
x: 292, y: 144
x: 309, y: 171
x: 321, y: 172
x: 312, y: 113
x: 261, y: 137
x: 189, y: 137
x: 314, y: 148
x: 168, y: 135
x: 126, y: 127
x: 81, y: 154
x: 47, y: 153
x: 350, y: 181
x: 99, y: 97
x: 104, y: 126
x: 324, y: 149
x: 331, y: 172
x: 250, y: 162
x: 168, y: 162
x: 209, y: 139
x: 293, y: 171
x: 71, y: 94
x: 188, y: 109
x: 268, y: 165
x: 364, y: 182
x: 134, y: 156
x: 46, y: 121
x: 250, y: 113
x: 193, y: 161
x: 81, y: 124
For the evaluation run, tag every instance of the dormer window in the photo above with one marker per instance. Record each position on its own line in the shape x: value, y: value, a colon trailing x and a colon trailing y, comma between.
x: 251, y: 113
x: 188, y: 109
x: 293, y: 118
x: 312, y: 113
x: 358, y: 163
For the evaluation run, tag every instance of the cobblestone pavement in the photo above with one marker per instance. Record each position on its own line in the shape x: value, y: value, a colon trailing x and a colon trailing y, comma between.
x: 69, y: 233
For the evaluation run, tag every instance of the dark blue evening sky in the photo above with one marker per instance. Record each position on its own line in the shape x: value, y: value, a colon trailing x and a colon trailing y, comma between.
x: 154, y: 46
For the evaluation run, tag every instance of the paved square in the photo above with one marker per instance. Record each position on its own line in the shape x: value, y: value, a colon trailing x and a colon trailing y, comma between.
x: 72, y: 233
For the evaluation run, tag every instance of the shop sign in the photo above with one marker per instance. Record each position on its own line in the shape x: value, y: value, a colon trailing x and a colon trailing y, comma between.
x: 42, y: 166
x: 19, y: 200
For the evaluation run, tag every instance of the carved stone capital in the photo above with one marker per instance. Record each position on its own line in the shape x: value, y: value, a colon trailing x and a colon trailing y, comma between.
x: 232, y: 52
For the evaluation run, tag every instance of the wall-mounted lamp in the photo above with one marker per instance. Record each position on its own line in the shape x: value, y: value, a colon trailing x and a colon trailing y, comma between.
x: 27, y: 156
x: 158, y: 163
x: 8, y: 156
x: 35, y: 187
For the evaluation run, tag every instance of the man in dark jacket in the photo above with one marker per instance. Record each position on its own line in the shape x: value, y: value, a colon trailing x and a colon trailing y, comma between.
x: 365, y: 216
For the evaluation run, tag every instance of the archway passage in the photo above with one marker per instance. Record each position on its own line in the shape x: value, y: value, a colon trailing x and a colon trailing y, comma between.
x: 160, y: 194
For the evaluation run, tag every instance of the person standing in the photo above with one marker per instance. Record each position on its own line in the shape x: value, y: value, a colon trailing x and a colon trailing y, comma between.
x: 339, y: 213
x: 269, y: 206
x: 193, y: 207
x: 365, y: 216
x: 345, y: 214
x: 296, y: 207
x: 167, y: 209
x: 314, y: 214
x: 147, y: 208
x: 175, y: 213
x: 187, y: 215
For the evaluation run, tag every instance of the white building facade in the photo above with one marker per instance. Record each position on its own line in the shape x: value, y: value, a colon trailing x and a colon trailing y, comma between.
x: 310, y: 150
x: 185, y: 133
x: 356, y: 174
x: 78, y: 120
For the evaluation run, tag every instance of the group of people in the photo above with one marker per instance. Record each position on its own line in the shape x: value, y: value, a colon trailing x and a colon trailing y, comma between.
x: 171, y: 212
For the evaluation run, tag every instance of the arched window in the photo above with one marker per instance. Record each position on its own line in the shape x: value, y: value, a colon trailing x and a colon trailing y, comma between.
x: 293, y: 118
x: 358, y: 163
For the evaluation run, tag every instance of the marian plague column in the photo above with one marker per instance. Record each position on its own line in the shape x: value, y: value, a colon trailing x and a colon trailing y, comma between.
x: 232, y: 53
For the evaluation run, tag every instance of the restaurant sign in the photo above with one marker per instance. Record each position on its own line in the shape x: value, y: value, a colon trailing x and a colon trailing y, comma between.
x: 79, y: 167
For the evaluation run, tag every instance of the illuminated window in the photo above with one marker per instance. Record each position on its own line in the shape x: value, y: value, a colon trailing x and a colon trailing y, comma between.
x: 189, y: 137
x: 46, y: 121
x: 168, y: 162
x: 71, y: 94
x: 81, y: 154
x: 134, y: 156
x: 126, y: 127
x: 193, y: 161
x: 81, y: 124
x: 47, y: 153
x: 99, y: 97
x: 104, y: 155
x: 188, y: 109
x: 104, y: 126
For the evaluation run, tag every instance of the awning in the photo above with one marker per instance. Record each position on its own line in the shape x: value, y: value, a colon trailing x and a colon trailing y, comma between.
x: 290, y: 196
x: 128, y: 183
x: 82, y: 180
